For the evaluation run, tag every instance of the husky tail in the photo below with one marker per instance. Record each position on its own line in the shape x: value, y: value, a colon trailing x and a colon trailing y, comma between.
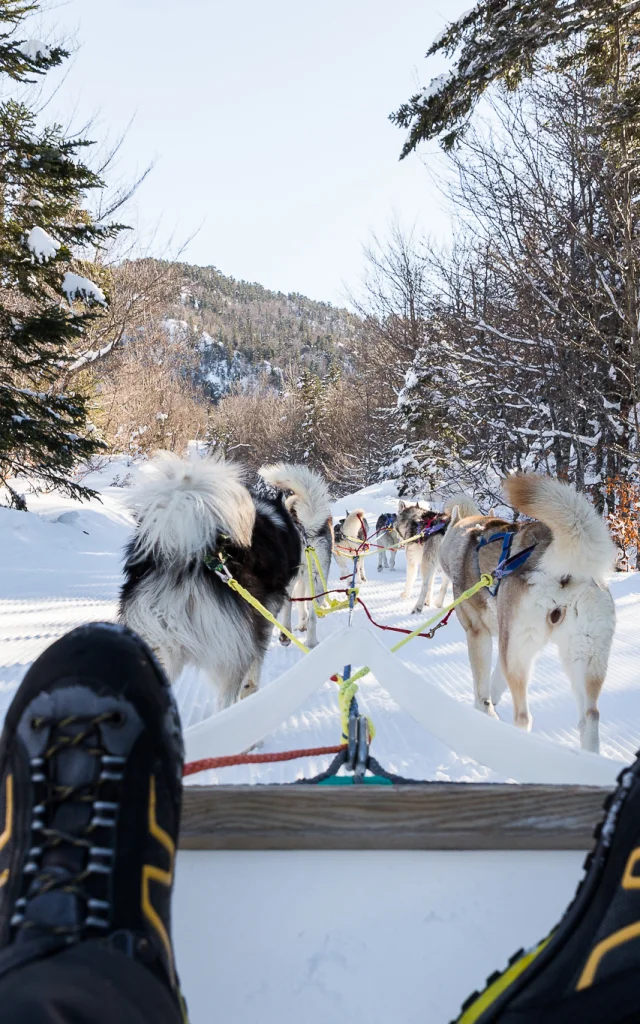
x: 310, y: 499
x: 581, y: 544
x: 183, y: 505
x: 464, y: 503
x: 352, y: 526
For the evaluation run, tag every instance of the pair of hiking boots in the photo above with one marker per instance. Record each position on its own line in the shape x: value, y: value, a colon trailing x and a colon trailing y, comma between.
x: 90, y: 794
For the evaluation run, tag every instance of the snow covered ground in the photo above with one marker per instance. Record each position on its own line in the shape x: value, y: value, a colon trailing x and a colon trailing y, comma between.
x: 302, y: 935
x: 60, y: 566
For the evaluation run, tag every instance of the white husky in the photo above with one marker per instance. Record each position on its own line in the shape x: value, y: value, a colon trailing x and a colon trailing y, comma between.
x: 353, y: 533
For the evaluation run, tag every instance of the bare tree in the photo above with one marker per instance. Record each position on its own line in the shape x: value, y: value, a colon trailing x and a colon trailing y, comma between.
x: 144, y: 399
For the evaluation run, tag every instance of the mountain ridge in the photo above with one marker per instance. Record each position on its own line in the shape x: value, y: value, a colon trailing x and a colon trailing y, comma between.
x: 245, y: 331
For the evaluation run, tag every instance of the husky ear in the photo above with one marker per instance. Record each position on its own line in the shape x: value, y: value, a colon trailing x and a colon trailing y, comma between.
x: 492, y: 513
x: 455, y: 515
x: 401, y: 506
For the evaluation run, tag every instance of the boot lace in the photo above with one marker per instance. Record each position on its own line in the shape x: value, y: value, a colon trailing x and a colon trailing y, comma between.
x: 72, y: 826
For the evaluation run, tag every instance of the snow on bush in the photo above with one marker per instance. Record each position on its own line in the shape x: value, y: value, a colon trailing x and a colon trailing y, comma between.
x: 435, y: 86
x: 77, y: 287
x: 42, y: 245
x: 33, y: 49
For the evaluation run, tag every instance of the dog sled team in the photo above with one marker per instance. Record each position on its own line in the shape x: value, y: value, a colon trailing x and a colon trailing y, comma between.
x: 199, y: 524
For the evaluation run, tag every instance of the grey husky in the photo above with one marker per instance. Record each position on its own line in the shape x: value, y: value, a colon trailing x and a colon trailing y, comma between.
x: 387, y: 540
x: 429, y: 528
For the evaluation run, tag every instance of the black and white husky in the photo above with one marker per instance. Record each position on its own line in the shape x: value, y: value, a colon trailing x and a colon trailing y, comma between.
x: 309, y: 505
x: 429, y: 528
x: 195, y: 519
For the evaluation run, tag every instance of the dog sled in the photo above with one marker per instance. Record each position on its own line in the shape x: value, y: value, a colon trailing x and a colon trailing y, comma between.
x: 377, y: 899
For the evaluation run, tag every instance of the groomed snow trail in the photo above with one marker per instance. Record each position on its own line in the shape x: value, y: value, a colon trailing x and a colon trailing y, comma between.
x: 60, y: 567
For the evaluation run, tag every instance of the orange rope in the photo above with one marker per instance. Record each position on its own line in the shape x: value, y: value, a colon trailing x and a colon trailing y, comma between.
x: 226, y: 762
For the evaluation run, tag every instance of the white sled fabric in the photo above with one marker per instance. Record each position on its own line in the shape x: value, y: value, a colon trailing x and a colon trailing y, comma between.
x: 524, y: 757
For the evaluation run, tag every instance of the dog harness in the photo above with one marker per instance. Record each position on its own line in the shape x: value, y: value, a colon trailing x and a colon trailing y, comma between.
x: 389, y: 521
x: 431, y: 527
x: 363, y: 528
x: 507, y: 563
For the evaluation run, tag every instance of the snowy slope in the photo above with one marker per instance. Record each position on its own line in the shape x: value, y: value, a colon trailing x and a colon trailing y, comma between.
x: 60, y: 566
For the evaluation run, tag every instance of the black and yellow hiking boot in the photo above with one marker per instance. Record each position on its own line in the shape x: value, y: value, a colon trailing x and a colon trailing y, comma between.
x: 90, y: 792
x: 587, y: 970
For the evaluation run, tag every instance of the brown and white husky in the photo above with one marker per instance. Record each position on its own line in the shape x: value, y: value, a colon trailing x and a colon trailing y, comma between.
x: 558, y: 593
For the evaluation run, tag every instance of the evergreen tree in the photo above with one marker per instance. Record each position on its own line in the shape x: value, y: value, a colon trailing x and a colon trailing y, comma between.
x: 430, y: 416
x: 45, y: 305
x: 312, y: 397
x: 501, y: 40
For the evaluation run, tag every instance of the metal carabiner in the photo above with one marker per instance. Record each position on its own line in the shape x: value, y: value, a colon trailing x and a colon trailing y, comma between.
x: 362, y: 755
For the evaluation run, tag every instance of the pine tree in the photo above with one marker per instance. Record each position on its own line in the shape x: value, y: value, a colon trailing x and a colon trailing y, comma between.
x: 429, y: 419
x: 45, y: 305
x: 312, y: 394
x: 502, y: 40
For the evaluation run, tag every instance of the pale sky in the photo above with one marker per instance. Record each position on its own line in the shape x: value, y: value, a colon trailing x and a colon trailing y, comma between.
x: 269, y: 124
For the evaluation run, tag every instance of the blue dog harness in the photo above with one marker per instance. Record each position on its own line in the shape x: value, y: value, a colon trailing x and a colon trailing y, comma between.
x: 431, y: 528
x: 507, y: 563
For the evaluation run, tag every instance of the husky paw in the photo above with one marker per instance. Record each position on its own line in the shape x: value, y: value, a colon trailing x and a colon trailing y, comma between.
x: 496, y: 694
x: 247, y: 688
x: 523, y: 720
x: 487, y: 708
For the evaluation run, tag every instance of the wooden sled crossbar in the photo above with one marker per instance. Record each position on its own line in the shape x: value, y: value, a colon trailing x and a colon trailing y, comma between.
x: 438, y: 816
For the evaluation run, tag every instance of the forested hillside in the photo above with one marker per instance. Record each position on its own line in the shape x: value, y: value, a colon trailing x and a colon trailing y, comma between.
x: 185, y: 353
x: 246, y: 332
